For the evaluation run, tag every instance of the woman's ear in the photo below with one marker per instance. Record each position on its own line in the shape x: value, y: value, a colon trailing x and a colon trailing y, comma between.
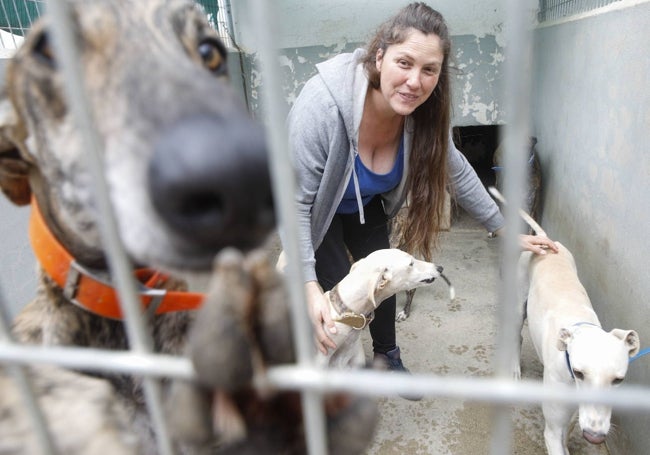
x: 379, y: 58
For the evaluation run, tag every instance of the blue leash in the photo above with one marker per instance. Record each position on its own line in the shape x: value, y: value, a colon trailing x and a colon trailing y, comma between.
x: 641, y: 353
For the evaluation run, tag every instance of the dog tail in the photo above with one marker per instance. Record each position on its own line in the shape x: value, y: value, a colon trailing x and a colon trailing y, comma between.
x: 527, y: 218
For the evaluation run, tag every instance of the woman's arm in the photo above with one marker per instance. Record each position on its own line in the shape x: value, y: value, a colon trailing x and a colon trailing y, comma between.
x: 470, y: 193
x: 308, y: 125
x: 308, y: 143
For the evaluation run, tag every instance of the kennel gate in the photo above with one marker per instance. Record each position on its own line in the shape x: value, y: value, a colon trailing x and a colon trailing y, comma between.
x: 500, y: 391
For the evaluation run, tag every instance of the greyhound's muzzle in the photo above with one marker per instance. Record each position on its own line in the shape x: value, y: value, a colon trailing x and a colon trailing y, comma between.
x: 209, y: 182
x: 431, y: 280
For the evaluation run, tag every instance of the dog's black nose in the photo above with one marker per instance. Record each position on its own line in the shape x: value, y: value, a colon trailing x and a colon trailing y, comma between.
x: 209, y: 181
x: 439, y: 268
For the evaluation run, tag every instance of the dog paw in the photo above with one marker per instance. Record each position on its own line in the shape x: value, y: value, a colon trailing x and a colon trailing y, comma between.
x: 402, y: 316
x: 242, y: 329
x: 221, y: 333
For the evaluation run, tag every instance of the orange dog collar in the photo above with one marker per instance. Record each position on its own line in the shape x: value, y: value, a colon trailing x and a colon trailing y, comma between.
x: 88, y: 290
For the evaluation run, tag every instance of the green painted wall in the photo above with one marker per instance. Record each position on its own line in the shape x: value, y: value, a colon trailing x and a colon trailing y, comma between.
x: 477, y: 71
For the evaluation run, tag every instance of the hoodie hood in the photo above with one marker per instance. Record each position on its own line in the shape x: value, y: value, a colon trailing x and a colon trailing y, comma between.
x: 346, y: 81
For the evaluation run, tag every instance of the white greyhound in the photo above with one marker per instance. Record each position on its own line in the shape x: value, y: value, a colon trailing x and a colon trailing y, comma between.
x: 370, y: 281
x: 570, y: 342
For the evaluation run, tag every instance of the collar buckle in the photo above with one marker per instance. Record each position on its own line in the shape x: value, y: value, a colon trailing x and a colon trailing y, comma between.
x: 77, y: 272
x: 73, y: 279
x: 355, y: 320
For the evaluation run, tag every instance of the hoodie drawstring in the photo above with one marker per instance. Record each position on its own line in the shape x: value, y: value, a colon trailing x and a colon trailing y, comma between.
x: 357, y: 190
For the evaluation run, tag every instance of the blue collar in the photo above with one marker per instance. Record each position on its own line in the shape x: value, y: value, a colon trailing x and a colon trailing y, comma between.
x: 568, y: 364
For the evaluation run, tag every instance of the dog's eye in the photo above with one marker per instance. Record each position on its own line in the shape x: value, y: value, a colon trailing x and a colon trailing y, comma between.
x: 412, y: 263
x: 578, y: 375
x: 43, y: 49
x: 617, y: 381
x: 213, y: 55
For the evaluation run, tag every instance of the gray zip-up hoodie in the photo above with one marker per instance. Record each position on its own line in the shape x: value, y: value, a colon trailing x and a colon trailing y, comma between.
x: 323, y: 136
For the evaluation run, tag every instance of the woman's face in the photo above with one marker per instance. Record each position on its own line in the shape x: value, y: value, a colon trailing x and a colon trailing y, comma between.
x: 409, y: 71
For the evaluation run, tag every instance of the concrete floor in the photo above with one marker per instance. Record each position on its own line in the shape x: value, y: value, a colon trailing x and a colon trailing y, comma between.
x: 459, y: 339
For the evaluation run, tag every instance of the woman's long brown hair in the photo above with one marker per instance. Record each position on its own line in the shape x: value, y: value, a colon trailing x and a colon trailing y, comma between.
x: 428, y: 176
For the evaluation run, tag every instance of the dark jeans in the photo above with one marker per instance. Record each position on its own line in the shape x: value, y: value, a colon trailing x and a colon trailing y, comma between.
x: 332, y: 262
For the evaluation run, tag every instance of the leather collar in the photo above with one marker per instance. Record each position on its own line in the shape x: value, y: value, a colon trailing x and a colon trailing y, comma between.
x: 355, y: 320
x: 87, y: 288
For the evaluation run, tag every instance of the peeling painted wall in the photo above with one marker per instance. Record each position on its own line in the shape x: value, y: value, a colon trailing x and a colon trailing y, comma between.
x: 478, y: 63
x: 478, y: 82
x: 477, y: 73
x: 312, y: 31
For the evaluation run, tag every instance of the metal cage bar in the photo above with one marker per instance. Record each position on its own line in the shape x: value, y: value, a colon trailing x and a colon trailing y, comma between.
x: 283, y: 186
x: 119, y: 265
x: 22, y: 381
x: 557, y: 9
x: 517, y: 94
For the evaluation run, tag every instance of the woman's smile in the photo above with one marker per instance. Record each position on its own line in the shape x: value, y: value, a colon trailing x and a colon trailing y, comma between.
x: 409, y: 71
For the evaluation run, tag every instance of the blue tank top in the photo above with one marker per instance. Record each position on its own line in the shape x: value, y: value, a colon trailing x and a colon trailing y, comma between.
x: 371, y: 184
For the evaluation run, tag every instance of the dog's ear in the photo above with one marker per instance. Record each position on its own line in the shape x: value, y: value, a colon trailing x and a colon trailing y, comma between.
x: 630, y: 338
x: 377, y: 283
x: 563, y: 338
x: 14, y: 170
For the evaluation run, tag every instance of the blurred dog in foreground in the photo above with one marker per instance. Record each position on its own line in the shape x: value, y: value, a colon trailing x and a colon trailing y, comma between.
x: 180, y: 155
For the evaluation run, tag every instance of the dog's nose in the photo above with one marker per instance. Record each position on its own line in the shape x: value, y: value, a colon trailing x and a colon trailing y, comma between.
x: 439, y: 268
x: 209, y: 181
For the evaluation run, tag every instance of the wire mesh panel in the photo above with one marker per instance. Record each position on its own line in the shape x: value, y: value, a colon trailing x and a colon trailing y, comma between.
x: 17, y: 16
x: 557, y: 9
x: 218, y: 15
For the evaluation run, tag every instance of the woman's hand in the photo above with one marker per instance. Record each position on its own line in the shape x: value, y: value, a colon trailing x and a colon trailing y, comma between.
x: 319, y: 313
x: 537, y: 244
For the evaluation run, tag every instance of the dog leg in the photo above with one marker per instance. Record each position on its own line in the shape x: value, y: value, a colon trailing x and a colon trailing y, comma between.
x: 350, y: 429
x: 188, y: 414
x: 516, y: 362
x: 556, y: 434
x: 406, y: 311
x: 523, y: 285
